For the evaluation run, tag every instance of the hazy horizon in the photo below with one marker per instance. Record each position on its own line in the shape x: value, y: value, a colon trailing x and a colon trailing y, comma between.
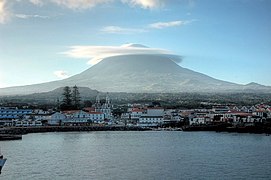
x: 43, y: 41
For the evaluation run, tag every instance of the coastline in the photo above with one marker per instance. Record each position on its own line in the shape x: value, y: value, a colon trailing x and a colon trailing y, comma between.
x: 230, y: 129
x: 15, y: 133
x: 41, y: 129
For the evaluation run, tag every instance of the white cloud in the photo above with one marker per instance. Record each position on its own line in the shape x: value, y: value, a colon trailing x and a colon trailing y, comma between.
x: 161, y: 25
x: 146, y: 4
x: 72, y: 4
x: 158, y: 25
x: 26, y: 16
x: 98, y: 53
x: 4, y: 12
x: 86, y: 4
x: 61, y: 74
x: 120, y: 30
x: 37, y: 2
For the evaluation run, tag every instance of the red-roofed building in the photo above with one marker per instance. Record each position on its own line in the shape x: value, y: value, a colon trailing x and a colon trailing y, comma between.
x: 89, y: 109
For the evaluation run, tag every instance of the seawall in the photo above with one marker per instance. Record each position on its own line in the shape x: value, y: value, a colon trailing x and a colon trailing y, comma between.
x: 26, y: 130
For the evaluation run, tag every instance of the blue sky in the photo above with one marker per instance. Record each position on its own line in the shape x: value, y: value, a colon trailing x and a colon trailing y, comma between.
x: 226, y: 39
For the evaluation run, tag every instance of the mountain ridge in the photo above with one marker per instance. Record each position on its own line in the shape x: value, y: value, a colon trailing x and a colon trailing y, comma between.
x: 140, y: 73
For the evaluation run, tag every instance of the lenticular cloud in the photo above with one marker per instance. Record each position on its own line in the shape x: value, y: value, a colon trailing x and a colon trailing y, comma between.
x: 98, y: 53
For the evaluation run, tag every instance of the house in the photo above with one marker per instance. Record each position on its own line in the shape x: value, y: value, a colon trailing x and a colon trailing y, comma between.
x: 244, y: 109
x: 150, y: 121
x: 171, y: 116
x: 153, y: 117
x: 220, y: 109
x: 82, y: 117
x: 57, y: 118
x: 199, y: 118
x: 135, y: 114
x: 10, y: 115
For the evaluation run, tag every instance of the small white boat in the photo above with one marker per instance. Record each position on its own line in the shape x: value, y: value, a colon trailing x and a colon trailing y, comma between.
x: 2, y: 162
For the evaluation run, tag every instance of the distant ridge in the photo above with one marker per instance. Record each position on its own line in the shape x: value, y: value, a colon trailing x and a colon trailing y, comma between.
x: 140, y: 73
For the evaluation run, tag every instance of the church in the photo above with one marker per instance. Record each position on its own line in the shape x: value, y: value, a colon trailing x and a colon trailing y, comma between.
x: 105, y: 108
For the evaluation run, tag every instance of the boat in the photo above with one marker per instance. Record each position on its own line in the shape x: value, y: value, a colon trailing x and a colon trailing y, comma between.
x: 2, y: 162
x: 7, y: 137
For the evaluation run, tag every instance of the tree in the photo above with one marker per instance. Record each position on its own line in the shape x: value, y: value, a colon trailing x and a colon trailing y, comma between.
x: 75, y: 97
x: 87, y: 103
x: 67, y: 100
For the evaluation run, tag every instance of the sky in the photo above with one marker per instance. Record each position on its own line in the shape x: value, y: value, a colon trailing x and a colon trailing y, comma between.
x: 46, y: 40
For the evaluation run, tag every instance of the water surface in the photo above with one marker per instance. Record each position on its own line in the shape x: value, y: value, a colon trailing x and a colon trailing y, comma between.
x: 137, y: 155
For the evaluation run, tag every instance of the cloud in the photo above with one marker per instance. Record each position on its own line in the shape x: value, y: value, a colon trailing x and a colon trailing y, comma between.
x: 98, y: 53
x: 146, y: 4
x: 162, y: 25
x: 37, y: 2
x: 158, y: 25
x: 4, y: 12
x: 120, y: 30
x: 61, y: 74
x: 80, y: 4
x: 86, y: 4
x: 26, y: 16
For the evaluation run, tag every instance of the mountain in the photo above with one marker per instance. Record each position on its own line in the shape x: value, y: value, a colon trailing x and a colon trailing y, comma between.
x: 57, y: 93
x: 52, y: 96
x: 140, y: 73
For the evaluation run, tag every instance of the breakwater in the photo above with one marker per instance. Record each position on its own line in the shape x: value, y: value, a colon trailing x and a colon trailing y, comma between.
x: 26, y: 130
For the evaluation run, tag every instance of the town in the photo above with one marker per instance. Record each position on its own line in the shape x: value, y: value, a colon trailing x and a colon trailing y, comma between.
x: 152, y: 116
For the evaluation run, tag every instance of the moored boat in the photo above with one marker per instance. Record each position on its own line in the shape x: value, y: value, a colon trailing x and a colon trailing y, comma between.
x: 7, y: 137
x: 2, y: 162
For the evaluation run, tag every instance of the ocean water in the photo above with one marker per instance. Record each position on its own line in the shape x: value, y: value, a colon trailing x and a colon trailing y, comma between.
x: 137, y: 155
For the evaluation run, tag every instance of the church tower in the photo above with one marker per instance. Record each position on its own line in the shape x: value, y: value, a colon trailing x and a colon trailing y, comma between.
x: 98, y: 103
x: 107, y: 101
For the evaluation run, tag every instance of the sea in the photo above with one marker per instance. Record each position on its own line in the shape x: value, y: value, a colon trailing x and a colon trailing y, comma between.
x: 138, y: 155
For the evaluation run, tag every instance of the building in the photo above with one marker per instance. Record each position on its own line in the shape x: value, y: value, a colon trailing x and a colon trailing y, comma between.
x: 9, y: 116
x: 76, y: 117
x: 57, y: 118
x: 171, y: 116
x: 153, y: 117
x: 105, y: 108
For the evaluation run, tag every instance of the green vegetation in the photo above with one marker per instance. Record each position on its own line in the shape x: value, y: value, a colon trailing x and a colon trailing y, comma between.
x: 78, y: 96
x: 71, y: 98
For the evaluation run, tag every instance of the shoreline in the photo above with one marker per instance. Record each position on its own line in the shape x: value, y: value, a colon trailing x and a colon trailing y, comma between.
x: 230, y: 129
x: 41, y: 129
x: 15, y: 133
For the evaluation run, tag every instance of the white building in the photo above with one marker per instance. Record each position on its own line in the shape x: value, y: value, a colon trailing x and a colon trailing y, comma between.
x: 57, y: 118
x: 171, y: 116
x: 27, y: 123
x: 105, y: 108
x: 198, y: 118
x: 152, y: 118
